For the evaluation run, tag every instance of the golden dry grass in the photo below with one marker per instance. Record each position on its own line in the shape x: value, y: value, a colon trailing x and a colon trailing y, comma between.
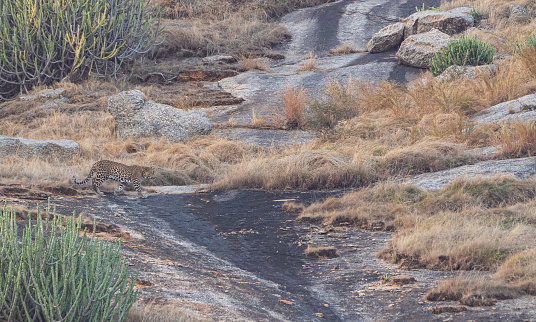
x: 517, y: 139
x: 294, y: 101
x: 482, y: 225
x: 254, y: 63
x: 309, y: 63
x: 343, y: 49
x: 195, y: 160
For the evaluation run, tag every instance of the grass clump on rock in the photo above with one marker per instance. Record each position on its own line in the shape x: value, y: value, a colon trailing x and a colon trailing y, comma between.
x: 462, y: 52
x: 53, y: 274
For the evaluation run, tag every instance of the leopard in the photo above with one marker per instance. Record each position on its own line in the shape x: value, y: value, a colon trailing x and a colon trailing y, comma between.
x: 105, y: 169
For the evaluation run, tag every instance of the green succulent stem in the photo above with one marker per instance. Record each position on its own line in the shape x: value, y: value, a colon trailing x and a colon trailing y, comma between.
x: 51, y: 273
x: 462, y: 52
x: 45, y: 41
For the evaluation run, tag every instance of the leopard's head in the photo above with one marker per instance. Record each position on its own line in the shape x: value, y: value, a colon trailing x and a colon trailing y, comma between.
x: 147, y: 172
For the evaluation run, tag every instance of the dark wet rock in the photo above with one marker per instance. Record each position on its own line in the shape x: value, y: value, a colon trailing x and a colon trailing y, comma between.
x: 417, y: 50
x: 44, y: 149
x: 466, y: 72
x: 447, y: 22
x: 521, y: 109
x: 520, y: 168
x: 139, y: 118
x: 387, y: 38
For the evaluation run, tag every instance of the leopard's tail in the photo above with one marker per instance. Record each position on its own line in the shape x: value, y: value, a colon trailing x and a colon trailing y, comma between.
x: 90, y: 175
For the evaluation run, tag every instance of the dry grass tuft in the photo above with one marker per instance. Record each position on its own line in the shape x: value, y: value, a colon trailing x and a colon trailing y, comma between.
x: 292, y: 207
x: 343, y: 49
x: 424, y: 156
x: 237, y: 35
x: 254, y: 63
x: 517, y: 139
x: 294, y: 101
x: 309, y: 64
x: 296, y: 168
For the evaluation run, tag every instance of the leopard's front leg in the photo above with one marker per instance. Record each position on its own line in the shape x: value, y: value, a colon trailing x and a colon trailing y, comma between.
x: 137, y: 185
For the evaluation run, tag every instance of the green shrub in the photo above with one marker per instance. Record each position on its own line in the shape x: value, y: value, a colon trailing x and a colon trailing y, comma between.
x: 53, y: 274
x: 477, y: 16
x: 424, y: 9
x: 464, y: 51
x: 530, y: 42
x: 44, y: 41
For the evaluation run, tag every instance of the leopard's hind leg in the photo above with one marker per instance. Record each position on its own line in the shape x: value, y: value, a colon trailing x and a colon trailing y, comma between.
x: 97, y: 181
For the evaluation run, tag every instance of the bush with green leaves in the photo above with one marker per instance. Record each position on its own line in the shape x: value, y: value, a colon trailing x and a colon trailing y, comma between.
x: 477, y: 15
x: 530, y: 42
x: 429, y: 8
x: 51, y: 273
x: 44, y: 41
x: 462, y: 52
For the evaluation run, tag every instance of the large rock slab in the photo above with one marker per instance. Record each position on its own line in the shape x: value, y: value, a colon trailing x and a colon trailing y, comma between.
x: 137, y: 117
x: 387, y: 38
x: 449, y: 22
x: 466, y: 72
x: 520, y: 168
x: 43, y: 149
x: 417, y: 50
x: 520, y: 109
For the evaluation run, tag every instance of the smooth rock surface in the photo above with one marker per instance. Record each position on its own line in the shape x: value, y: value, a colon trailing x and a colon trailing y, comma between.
x: 521, y: 109
x: 139, y: 118
x: 44, y: 149
x: 318, y: 30
x: 447, y: 22
x: 461, y: 10
x: 417, y: 50
x: 387, y: 38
